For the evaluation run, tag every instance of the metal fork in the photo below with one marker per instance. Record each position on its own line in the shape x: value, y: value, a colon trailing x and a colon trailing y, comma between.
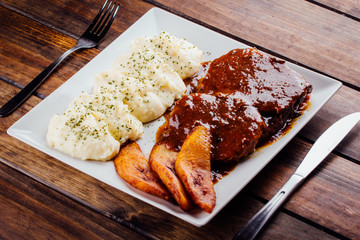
x: 90, y: 38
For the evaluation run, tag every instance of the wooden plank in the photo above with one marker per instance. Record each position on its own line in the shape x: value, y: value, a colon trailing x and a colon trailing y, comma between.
x: 294, y: 231
x: 73, y: 17
x: 32, y: 209
x: 299, y: 30
x: 350, y: 7
x: 344, y: 102
x: 241, y: 209
x: 7, y: 91
x: 28, y: 47
x: 335, y: 183
x: 118, y: 205
x: 28, y: 208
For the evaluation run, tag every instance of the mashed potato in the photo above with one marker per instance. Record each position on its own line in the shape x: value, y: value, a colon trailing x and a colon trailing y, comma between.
x: 137, y: 89
x: 181, y: 55
x: 93, y: 127
x: 147, y: 84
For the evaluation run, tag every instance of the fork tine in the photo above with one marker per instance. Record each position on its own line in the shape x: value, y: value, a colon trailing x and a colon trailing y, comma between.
x: 92, y: 24
x: 98, y: 23
x: 104, y: 29
x: 104, y: 18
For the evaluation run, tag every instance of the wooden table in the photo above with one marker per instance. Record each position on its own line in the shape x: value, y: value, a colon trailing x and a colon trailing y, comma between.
x: 43, y: 198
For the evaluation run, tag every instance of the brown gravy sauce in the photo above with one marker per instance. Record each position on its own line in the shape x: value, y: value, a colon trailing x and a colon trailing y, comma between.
x: 218, y: 171
x: 219, y: 118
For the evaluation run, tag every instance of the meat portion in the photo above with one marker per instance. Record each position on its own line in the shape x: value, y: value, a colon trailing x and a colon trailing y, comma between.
x: 232, y: 105
x: 243, y: 97
x: 235, y: 126
x: 266, y: 82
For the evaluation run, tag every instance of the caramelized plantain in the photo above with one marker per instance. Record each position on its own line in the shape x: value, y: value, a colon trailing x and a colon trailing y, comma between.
x: 134, y: 168
x: 162, y: 161
x: 193, y: 168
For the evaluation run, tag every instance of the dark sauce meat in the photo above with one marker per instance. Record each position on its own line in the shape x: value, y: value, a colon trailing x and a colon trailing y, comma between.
x: 244, y: 97
x: 235, y: 126
x: 266, y: 82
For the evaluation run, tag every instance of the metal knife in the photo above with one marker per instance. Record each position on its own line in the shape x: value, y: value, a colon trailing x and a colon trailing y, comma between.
x: 321, y: 148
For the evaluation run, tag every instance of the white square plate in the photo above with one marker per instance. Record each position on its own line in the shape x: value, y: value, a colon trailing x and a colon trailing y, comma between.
x: 32, y: 127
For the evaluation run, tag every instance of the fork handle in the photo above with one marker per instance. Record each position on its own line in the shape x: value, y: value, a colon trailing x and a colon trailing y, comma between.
x: 253, y: 227
x: 25, y: 93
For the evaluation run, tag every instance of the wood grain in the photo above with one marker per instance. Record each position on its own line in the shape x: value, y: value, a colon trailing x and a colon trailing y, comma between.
x: 350, y: 7
x: 73, y: 17
x: 344, y: 102
x: 28, y: 47
x: 333, y: 183
x: 45, y: 213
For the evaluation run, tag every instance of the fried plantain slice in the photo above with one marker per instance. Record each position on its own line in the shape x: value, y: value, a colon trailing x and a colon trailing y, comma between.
x: 193, y: 168
x: 132, y: 166
x: 162, y: 161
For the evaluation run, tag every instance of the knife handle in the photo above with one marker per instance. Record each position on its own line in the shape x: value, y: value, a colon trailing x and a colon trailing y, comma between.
x: 253, y: 227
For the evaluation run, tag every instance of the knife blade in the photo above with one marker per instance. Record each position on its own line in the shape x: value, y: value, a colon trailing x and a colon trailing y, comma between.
x: 321, y: 148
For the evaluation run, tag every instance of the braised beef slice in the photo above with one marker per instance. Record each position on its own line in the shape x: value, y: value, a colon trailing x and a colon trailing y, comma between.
x: 244, y: 97
x: 235, y: 126
x: 266, y: 82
